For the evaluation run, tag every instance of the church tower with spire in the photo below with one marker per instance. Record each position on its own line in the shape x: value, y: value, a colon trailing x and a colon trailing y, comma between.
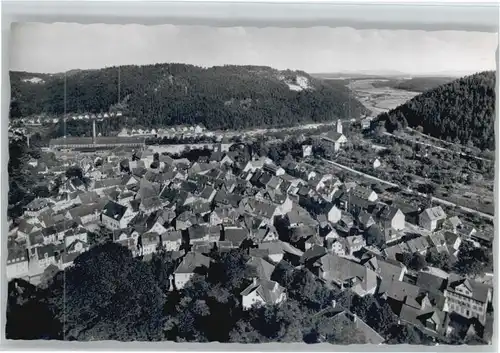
x: 339, y: 126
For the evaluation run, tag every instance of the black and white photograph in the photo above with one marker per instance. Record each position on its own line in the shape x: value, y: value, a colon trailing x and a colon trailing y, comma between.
x: 248, y: 185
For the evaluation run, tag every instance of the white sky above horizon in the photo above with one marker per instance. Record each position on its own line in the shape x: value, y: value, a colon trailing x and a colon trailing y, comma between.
x: 51, y: 48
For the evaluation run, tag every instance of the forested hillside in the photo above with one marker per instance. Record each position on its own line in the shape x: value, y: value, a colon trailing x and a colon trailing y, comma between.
x: 461, y: 111
x: 231, y: 97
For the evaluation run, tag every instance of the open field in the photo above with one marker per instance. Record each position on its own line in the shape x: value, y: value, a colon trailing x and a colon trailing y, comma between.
x: 379, y: 99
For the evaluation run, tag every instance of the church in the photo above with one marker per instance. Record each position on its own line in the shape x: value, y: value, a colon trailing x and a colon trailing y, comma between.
x: 335, y: 138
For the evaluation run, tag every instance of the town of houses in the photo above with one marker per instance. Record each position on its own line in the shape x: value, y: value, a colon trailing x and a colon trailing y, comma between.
x: 190, y: 208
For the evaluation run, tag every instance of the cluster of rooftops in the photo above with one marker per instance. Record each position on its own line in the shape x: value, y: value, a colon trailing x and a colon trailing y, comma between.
x: 274, y: 213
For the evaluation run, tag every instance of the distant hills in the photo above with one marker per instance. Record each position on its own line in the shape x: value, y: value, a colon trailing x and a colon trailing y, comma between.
x: 224, y: 97
x: 462, y: 111
x: 362, y: 74
x: 415, y: 84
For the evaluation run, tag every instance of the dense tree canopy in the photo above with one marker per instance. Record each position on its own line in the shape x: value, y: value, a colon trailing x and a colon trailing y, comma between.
x: 473, y: 260
x: 461, y: 111
x: 108, y: 294
x: 231, y: 97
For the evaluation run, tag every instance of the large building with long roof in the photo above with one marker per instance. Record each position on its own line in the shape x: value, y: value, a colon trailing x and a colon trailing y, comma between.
x: 104, y: 142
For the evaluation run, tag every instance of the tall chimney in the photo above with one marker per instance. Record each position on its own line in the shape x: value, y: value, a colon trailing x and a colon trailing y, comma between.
x: 93, y: 131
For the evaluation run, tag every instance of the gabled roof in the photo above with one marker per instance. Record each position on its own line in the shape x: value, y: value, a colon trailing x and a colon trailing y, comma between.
x: 235, y: 235
x: 302, y: 232
x: 430, y: 282
x: 107, y: 183
x: 365, y: 218
x: 226, y: 212
x: 340, y: 269
x: 479, y: 290
x: 450, y: 237
x: 333, y: 136
x: 16, y: 253
x: 35, y: 238
x: 417, y: 244
x: 189, y: 186
x: 274, y: 182
x: 89, y: 197
x: 313, y: 253
x: 260, y: 208
x: 251, y: 222
x: 269, y: 291
x: 362, y: 192
x: 197, y: 231
x: 71, y: 247
x: 339, y: 317
x: 200, y: 207
x: 48, y: 250
x: 171, y: 235
x: 151, y: 202
x: 434, y: 213
x: 193, y: 261
x: 207, y: 192
x: 25, y: 227
x: 84, y: 210
x: 271, y: 248
x: 264, y: 268
x: 454, y: 221
x: 419, y: 317
x: 114, y: 210
x: 437, y: 239
x: 398, y: 290
x: 151, y: 238
x: 355, y: 240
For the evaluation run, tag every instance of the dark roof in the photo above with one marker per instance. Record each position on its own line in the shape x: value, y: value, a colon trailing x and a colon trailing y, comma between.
x: 355, y: 200
x: 207, y: 192
x: 114, y: 210
x: 152, y: 238
x: 263, y: 267
x: 151, y: 202
x: 189, y: 186
x: 16, y: 253
x: 235, y: 235
x: 48, y: 250
x: 265, y: 178
x: 313, y: 253
x: 404, y: 207
x: 302, y: 232
x: 333, y: 135
x: 89, y: 197
x: 197, y: 232
x: 339, y: 317
x: 430, y: 282
x: 104, y: 140
x: 193, y: 261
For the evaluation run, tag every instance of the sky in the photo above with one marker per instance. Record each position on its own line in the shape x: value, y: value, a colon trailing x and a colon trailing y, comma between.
x: 51, y: 48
